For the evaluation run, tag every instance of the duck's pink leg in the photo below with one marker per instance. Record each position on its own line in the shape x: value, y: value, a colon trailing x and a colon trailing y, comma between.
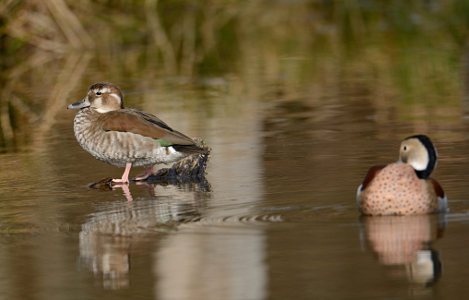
x: 125, y: 176
x: 148, y: 172
x: 125, y: 190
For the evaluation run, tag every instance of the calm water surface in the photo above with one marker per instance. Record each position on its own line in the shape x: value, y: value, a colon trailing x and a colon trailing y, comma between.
x: 276, y: 218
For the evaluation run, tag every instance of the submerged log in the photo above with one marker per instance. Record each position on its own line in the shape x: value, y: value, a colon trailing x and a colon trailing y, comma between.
x: 192, y: 167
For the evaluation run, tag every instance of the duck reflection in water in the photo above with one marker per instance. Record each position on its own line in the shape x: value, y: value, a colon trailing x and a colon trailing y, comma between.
x: 108, y: 237
x: 406, y: 241
x: 201, y: 183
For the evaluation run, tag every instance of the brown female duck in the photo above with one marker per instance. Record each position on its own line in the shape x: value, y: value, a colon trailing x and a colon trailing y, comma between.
x: 126, y: 137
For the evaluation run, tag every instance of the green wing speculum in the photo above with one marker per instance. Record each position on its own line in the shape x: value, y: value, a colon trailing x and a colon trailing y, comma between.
x: 164, y: 143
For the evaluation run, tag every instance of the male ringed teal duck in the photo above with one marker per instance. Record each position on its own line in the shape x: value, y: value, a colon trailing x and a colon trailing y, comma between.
x: 404, y: 187
x: 126, y: 137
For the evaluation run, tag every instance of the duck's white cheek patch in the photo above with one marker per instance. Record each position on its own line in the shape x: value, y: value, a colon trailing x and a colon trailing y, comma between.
x: 420, y: 164
x: 98, y: 106
x: 116, y: 97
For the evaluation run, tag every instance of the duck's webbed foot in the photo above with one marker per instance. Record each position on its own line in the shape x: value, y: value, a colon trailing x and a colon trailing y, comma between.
x: 148, y: 172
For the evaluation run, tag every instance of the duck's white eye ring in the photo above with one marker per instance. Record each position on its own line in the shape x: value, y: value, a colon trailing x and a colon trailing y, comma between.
x: 98, y: 93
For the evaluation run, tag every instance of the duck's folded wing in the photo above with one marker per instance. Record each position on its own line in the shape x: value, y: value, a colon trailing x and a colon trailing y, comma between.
x: 440, y: 193
x: 145, y: 124
x: 370, y: 175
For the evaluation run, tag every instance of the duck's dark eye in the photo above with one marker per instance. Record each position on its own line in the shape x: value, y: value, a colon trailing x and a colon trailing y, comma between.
x: 404, y: 148
x: 98, y: 93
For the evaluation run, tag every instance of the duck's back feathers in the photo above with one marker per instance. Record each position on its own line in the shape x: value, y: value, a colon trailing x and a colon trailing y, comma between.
x: 145, y: 124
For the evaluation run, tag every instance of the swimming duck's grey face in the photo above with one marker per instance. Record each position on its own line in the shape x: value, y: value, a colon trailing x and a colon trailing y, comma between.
x: 102, y: 97
x: 419, y: 152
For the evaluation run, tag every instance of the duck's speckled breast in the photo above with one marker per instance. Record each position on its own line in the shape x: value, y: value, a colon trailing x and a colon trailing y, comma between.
x: 118, y: 148
x: 396, y: 190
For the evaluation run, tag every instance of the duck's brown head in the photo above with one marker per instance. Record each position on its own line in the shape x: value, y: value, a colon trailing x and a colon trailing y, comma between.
x: 102, y: 97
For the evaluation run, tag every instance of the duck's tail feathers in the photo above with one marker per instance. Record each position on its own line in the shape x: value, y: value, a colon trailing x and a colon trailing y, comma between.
x: 189, y: 149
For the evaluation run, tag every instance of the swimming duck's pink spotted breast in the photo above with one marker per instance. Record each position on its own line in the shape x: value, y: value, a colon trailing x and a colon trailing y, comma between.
x: 396, y: 190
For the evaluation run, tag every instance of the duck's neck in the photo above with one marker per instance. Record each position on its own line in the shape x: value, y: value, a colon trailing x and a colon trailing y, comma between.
x: 84, y: 123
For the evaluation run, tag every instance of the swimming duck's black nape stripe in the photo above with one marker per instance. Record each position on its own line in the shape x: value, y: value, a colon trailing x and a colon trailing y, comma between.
x: 432, y: 155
